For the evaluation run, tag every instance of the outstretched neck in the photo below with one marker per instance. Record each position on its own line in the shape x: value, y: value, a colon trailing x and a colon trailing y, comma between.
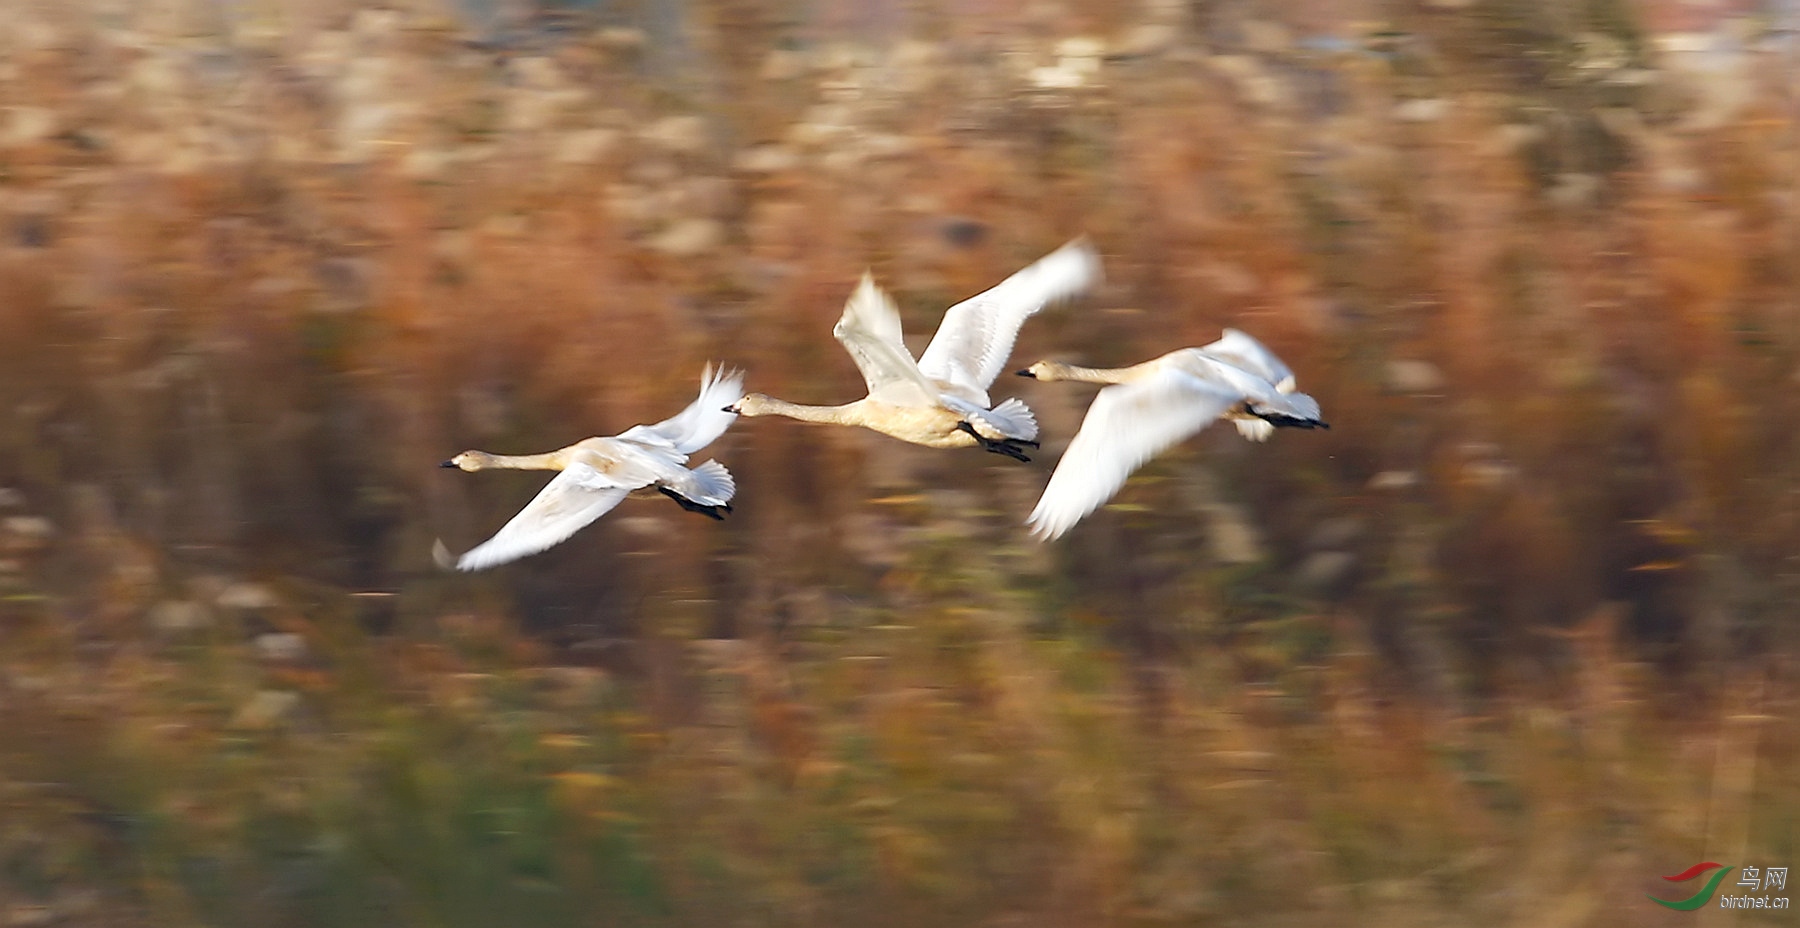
x: 1091, y: 374
x: 549, y: 461
x: 832, y: 415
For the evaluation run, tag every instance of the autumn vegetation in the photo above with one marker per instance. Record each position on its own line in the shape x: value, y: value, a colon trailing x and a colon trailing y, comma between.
x: 1511, y: 640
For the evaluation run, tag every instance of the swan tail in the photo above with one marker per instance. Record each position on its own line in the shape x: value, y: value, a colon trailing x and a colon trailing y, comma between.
x: 1012, y: 419
x: 711, y: 484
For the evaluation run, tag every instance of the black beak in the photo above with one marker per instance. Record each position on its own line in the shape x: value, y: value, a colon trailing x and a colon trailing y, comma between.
x: 729, y: 410
x: 448, y: 464
x: 1026, y: 373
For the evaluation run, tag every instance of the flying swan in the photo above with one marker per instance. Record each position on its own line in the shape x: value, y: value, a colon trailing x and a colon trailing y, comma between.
x: 1157, y: 403
x: 597, y: 473
x: 941, y: 400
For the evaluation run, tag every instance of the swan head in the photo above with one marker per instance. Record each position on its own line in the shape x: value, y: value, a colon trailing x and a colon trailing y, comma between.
x: 469, y: 460
x: 1043, y: 370
x: 753, y: 404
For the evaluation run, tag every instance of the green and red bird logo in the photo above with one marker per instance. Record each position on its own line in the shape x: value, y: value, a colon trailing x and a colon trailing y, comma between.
x: 1706, y: 892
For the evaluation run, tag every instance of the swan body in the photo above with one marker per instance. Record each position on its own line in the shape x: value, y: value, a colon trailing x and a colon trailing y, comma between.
x: 933, y: 426
x: 1148, y: 407
x: 941, y: 400
x: 596, y: 474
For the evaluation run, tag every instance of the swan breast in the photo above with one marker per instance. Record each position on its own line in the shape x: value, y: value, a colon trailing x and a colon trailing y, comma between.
x: 932, y: 426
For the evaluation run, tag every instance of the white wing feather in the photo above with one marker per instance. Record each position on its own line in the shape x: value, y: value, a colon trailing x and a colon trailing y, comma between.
x: 1264, y: 395
x: 703, y: 421
x: 976, y: 337
x: 1127, y: 425
x: 576, y: 497
x: 869, y: 330
x: 1246, y: 353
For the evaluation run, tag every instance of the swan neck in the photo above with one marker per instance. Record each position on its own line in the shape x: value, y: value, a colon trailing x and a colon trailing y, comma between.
x: 1092, y: 374
x: 550, y: 461
x: 834, y: 415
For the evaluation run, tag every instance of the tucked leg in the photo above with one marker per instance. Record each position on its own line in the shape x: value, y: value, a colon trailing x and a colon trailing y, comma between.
x: 1010, y: 447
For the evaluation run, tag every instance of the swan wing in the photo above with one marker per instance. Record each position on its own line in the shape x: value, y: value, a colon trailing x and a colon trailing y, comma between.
x: 1127, y: 425
x: 703, y: 421
x: 1245, y: 353
x: 976, y: 337
x: 574, y: 498
x: 1262, y: 394
x: 869, y: 330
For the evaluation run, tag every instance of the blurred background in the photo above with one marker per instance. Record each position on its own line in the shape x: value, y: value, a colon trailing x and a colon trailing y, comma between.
x: 1510, y: 642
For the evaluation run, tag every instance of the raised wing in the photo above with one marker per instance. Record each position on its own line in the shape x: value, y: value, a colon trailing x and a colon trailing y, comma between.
x: 576, y: 497
x: 869, y: 330
x: 703, y: 421
x: 1127, y: 425
x: 976, y: 337
x: 1241, y: 351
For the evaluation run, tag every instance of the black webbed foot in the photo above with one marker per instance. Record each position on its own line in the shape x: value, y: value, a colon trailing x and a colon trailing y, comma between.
x: 713, y: 512
x: 1010, y: 447
x: 1290, y: 422
x: 1281, y: 420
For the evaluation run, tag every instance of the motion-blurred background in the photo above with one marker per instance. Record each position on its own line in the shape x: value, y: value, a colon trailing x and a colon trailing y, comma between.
x: 1511, y: 641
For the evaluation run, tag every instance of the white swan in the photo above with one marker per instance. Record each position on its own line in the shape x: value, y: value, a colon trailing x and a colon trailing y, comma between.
x: 1156, y: 404
x: 598, y: 473
x: 941, y: 400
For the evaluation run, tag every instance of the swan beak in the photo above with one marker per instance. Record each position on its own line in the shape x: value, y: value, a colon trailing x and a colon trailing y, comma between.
x: 1026, y: 373
x: 731, y: 409
x: 447, y: 464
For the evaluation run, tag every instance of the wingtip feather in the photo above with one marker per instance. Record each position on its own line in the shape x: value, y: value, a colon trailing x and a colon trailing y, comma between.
x: 1044, y: 529
x: 441, y: 555
x: 1092, y: 271
x: 721, y: 379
